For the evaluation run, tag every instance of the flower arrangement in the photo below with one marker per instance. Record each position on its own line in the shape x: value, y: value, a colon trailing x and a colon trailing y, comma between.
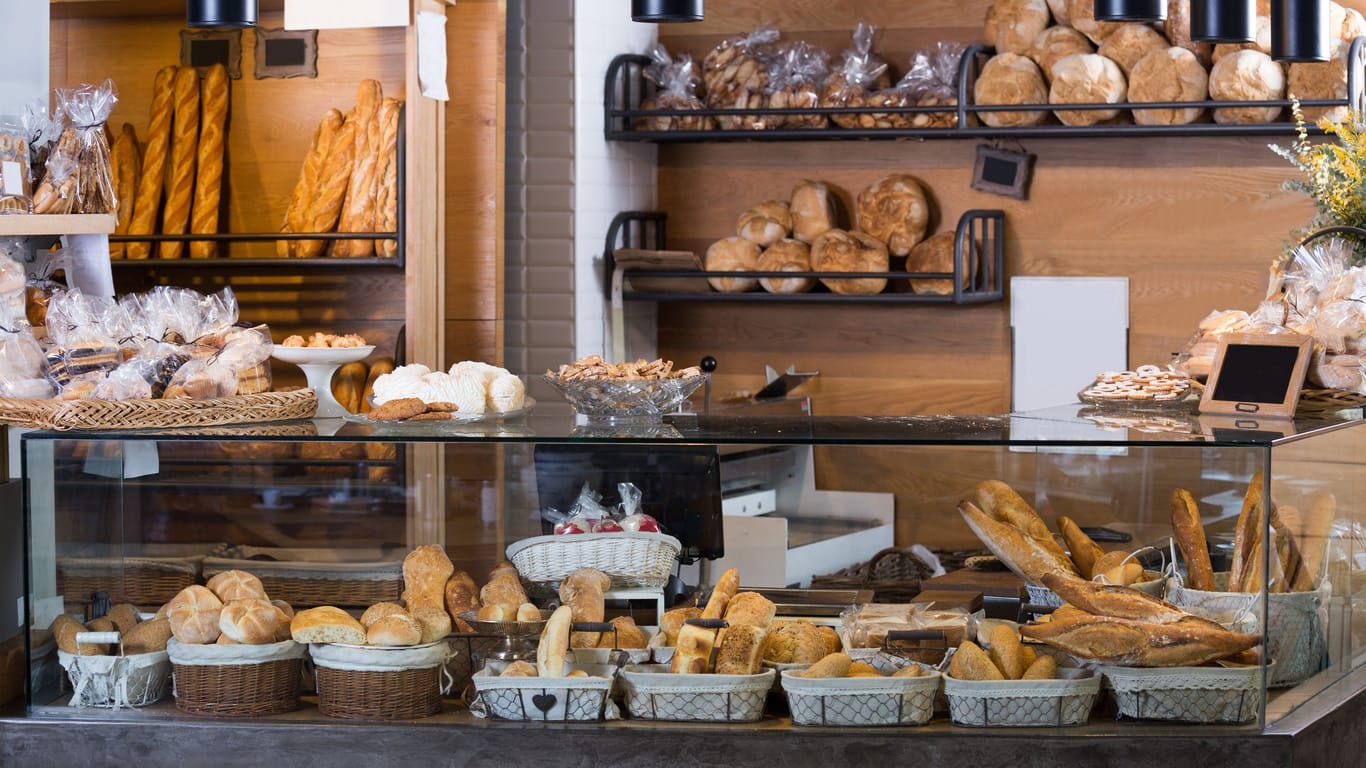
x: 1334, y: 173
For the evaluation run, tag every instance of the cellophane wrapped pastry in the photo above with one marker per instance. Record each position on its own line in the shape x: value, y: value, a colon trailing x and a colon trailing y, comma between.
x: 736, y: 75
x: 858, y: 73
x: 796, y: 75
x: 676, y: 81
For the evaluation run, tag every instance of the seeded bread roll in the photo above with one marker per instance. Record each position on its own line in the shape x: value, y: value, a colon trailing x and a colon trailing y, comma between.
x: 732, y: 254
x: 378, y: 611
x: 1086, y: 78
x: 813, y: 210
x: 765, y: 223
x: 1016, y: 23
x: 786, y: 255
x: 396, y: 629
x: 1178, y: 31
x: 1010, y: 79
x: 896, y: 211
x: 175, y: 217
x: 1246, y: 76
x: 1321, y: 80
x: 1130, y: 43
x: 841, y: 251
x: 208, y: 183
x: 148, y: 200
x: 1056, y: 42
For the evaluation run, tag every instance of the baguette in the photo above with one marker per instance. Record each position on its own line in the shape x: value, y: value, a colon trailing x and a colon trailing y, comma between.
x: 126, y: 164
x: 208, y: 181
x: 1003, y: 503
x: 1248, y: 531
x: 1083, y: 550
x: 1318, y: 525
x: 147, y: 202
x: 721, y: 594
x: 1190, y: 539
x: 554, y: 644
x: 1189, y: 642
x: 180, y: 190
x: 1023, y: 554
x: 309, y: 178
x: 1290, y: 536
x: 1113, y: 600
x: 323, y: 211
x: 358, y: 211
x: 386, y: 196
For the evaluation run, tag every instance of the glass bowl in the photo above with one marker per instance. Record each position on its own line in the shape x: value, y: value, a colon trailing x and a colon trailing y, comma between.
x: 626, y: 399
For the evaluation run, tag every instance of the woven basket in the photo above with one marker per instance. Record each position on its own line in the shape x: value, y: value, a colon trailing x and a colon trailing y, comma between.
x: 308, y: 584
x: 116, y: 681
x: 225, y: 681
x: 157, y: 414
x: 1328, y: 400
x: 861, y: 700
x: 379, y: 683
x: 653, y: 693
x: 893, y: 575
x: 630, y: 558
x: 1187, y: 694
x: 1016, y: 703
x: 136, y: 580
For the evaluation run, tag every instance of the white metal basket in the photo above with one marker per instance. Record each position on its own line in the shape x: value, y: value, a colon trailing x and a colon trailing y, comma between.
x: 1064, y: 701
x: 630, y: 558
x: 861, y: 701
x: 547, y: 699
x: 1187, y: 694
x: 115, y: 681
x: 653, y: 693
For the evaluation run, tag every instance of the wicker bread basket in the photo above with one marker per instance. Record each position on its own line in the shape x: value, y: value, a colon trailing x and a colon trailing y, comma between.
x: 157, y: 414
x: 136, y: 580
x: 379, y: 683
x: 630, y: 558
x: 304, y: 583
x: 236, y: 680
x: 112, y: 682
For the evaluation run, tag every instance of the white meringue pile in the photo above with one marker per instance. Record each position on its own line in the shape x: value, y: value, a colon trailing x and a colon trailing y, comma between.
x: 474, y: 387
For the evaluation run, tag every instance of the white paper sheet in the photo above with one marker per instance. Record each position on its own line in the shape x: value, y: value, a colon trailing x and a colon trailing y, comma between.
x: 431, y: 55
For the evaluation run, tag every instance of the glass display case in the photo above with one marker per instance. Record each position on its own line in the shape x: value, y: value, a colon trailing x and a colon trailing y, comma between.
x: 327, y: 510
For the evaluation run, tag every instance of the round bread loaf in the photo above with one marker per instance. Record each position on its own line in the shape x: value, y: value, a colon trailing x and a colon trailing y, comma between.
x: 1009, y: 79
x: 1321, y: 80
x: 1262, y: 43
x: 628, y: 634
x: 933, y: 255
x: 1346, y: 24
x: 1130, y: 43
x: 378, y: 611
x: 786, y: 255
x: 194, y: 613
x: 394, y: 630
x: 732, y: 254
x: 1082, y: 14
x: 1178, y: 31
x: 765, y: 223
x: 236, y: 585
x: 498, y: 612
x: 1016, y: 23
x: 1059, y: 10
x: 528, y: 612
x: 435, y: 622
x: 1056, y: 42
x: 1086, y: 78
x: 813, y: 210
x: 750, y: 608
x: 251, y: 621
x: 896, y: 211
x: 794, y: 642
x: 1246, y: 76
x: 1171, y: 74
x: 842, y: 251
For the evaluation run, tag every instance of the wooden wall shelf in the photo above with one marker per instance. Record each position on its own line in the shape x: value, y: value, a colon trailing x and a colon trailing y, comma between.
x: 33, y: 224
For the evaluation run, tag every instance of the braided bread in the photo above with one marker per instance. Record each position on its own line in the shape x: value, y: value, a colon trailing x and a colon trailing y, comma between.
x: 358, y: 212
x: 296, y: 216
x: 208, y: 183
x: 386, y: 196
x: 176, y: 216
x: 148, y: 198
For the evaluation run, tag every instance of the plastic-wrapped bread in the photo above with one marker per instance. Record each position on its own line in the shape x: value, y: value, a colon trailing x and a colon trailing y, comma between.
x: 786, y: 255
x: 126, y: 164
x: 934, y: 254
x: 842, y: 251
x: 324, y: 209
x: 1246, y: 76
x: 813, y: 210
x: 1009, y: 79
x: 175, y: 217
x: 1171, y: 74
x: 1015, y: 24
x: 1178, y: 31
x: 765, y: 223
x: 1130, y: 43
x: 736, y: 77
x: 386, y: 195
x: 208, y: 182
x: 858, y: 73
x: 732, y: 254
x: 358, y: 211
x: 1082, y: 16
x: 896, y: 211
x: 296, y: 218
x: 148, y: 200
x: 1321, y: 80
x: 1086, y: 78
x: 1261, y: 43
x: 1056, y: 42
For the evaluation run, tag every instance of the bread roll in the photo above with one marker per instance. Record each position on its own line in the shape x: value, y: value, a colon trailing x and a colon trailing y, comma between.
x: 396, y: 629
x: 1171, y: 74
x: 497, y: 612
x: 208, y: 183
x: 1246, y: 76
x: 813, y: 210
x: 1178, y: 30
x: 1006, y: 652
x: 1042, y: 668
x: 127, y: 164
x: 194, y: 613
x: 765, y: 223
x: 786, y: 255
x: 970, y: 662
x: 425, y: 571
x: 554, y: 643
x: 124, y: 616
x: 386, y: 193
x: 519, y: 669
x: 672, y: 621
x: 1321, y: 80
x: 836, y: 664
x: 741, y: 650
x: 1059, y: 10
x: 628, y: 635
x: 582, y: 590
x: 1086, y: 78
x: 147, y: 637
x: 64, y: 629
x: 841, y: 251
x: 326, y: 624
x: 461, y: 595
x: 896, y: 211
x: 379, y: 610
x: 1056, y: 42
x: 732, y: 254
x: 225, y: 640
x: 175, y: 217
x: 1082, y: 15
x: 528, y: 612
x: 148, y: 200
x: 1131, y: 42
x: 1007, y: 79
x: 251, y: 621
x: 503, y: 589
x: 933, y: 255
x: 1017, y: 23
x: 236, y: 585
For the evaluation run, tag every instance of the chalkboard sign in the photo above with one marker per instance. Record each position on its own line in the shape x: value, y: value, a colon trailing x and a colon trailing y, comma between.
x: 1257, y: 374
x: 1002, y: 172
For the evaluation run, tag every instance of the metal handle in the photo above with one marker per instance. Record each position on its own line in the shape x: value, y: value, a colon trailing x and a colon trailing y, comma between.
x: 707, y: 623
x: 592, y: 626
x: 97, y: 638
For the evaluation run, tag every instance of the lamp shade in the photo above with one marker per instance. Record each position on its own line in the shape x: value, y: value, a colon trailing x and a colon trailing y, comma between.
x: 1130, y: 10
x: 666, y: 10
x: 1224, y: 21
x: 220, y: 13
x: 1299, y: 30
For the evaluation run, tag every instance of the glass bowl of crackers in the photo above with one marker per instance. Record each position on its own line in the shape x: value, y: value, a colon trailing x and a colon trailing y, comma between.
x: 1148, y: 387
x: 643, y: 390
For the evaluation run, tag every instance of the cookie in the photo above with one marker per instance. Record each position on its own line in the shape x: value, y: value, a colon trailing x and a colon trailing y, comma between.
x: 398, y: 410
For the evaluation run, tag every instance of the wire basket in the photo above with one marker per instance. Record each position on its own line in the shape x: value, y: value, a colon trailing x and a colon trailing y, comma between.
x: 653, y: 693
x: 236, y: 680
x: 539, y: 699
x: 1187, y: 694
x: 630, y: 558
x: 893, y: 575
x: 112, y: 682
x: 861, y: 700
x: 379, y: 683
x: 1023, y: 703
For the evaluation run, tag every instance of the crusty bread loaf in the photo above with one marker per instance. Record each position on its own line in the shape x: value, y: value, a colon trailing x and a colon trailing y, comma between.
x: 896, y: 211
x: 395, y: 629
x: 147, y: 637
x: 208, y: 182
x: 554, y: 643
x: 180, y: 180
x: 252, y: 621
x: 1321, y: 80
x: 814, y: 210
x: 1082, y: 16
x: 1016, y: 23
x: 786, y: 255
x: 841, y: 251
x: 741, y: 650
x: 503, y: 589
x: 147, y: 202
x: 127, y: 163
x: 310, y: 177
x: 425, y: 571
x: 358, y: 211
x: 672, y: 622
x: 750, y: 608
x: 1129, y: 43
x: 732, y: 254
x: 1006, y: 79
x: 1056, y: 42
x: 1190, y: 539
x: 326, y: 624
x: 1246, y: 75
x: 1086, y: 78
x: 378, y: 611
x: 1170, y: 74
x: 194, y: 613
x: 794, y: 642
x: 934, y: 254
x: 461, y: 595
x: 386, y: 193
x: 236, y: 585
x: 582, y: 590
x: 721, y: 594
x: 324, y: 208
x: 765, y: 223
x: 627, y: 634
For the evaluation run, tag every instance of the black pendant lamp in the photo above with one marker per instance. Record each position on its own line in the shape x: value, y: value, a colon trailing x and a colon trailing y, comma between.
x: 664, y: 11
x: 1130, y: 10
x: 220, y: 13
x: 1224, y: 21
x: 1299, y: 30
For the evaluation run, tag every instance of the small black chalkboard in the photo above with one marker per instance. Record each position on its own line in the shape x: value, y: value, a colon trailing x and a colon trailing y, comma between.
x: 1002, y: 172
x: 1257, y: 374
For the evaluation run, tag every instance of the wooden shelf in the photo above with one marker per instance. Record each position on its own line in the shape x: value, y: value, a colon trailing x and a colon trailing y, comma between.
x: 21, y: 224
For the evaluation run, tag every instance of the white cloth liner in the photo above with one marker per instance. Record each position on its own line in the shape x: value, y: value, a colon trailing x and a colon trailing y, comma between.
x: 385, y: 659
x: 211, y: 655
x: 103, y: 681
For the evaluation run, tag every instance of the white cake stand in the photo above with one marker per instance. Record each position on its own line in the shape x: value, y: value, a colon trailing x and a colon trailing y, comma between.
x: 318, y: 365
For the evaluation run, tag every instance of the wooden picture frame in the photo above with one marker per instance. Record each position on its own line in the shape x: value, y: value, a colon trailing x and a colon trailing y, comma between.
x: 200, y: 48
x: 1257, y: 375
x: 1002, y: 172
x: 286, y: 53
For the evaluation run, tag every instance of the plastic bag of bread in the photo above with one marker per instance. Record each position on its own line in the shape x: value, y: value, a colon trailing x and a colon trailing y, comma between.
x: 858, y: 73
x: 86, y: 109
x: 1129, y: 43
x: 16, y: 182
x: 1246, y: 75
x: 57, y: 192
x: 41, y: 131
x: 22, y: 366
x: 1010, y: 79
x: 1086, y: 78
x: 895, y: 210
x: 1170, y: 74
x: 676, y: 82
x: 732, y: 254
x: 794, y: 82
x: 736, y: 76
x: 13, y: 284
x: 84, y: 332
x: 786, y: 255
x: 1177, y: 28
x: 1012, y: 25
x: 931, y: 81
x: 841, y: 251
